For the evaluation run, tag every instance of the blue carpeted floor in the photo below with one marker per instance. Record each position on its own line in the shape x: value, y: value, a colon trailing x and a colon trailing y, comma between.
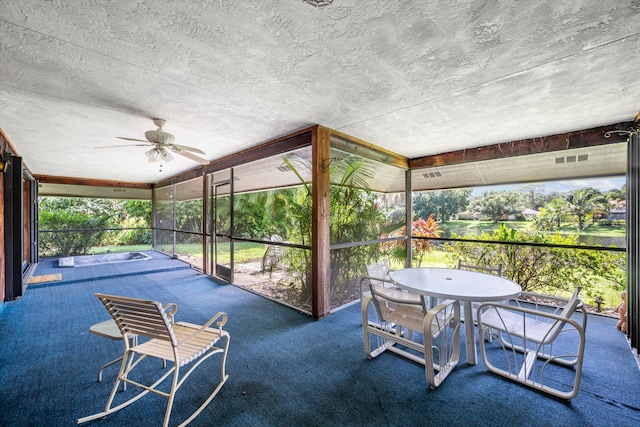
x: 284, y: 368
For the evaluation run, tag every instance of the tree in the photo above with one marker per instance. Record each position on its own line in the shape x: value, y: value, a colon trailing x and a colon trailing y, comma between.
x: 584, y: 201
x: 617, y: 195
x: 140, y: 209
x: 259, y: 215
x: 428, y: 228
x: 354, y: 216
x: 534, y: 195
x: 72, y: 226
x: 495, y: 204
x: 442, y: 204
x: 552, y: 215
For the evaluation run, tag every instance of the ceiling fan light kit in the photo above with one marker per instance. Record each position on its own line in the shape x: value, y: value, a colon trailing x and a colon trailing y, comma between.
x: 158, y: 155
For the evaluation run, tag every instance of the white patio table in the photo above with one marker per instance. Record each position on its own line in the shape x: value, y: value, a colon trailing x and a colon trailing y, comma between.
x: 461, y: 285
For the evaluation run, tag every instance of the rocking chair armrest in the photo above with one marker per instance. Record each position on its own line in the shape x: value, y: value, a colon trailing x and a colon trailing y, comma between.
x: 170, y: 310
x: 215, y: 317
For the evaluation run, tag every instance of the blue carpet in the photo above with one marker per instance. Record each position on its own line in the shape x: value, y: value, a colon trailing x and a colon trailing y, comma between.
x: 284, y: 368
x: 158, y: 263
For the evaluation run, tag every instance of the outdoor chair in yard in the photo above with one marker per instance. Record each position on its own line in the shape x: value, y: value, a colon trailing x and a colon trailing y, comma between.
x: 272, y: 254
x: 538, y: 346
x: 401, y: 322
x: 148, y: 329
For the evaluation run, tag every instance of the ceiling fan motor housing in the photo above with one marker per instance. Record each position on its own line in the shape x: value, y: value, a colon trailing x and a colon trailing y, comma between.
x: 159, y: 137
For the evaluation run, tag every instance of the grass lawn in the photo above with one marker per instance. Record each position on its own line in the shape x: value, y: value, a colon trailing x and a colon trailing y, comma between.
x: 244, y: 251
x: 596, y: 229
x: 124, y: 248
x: 477, y: 227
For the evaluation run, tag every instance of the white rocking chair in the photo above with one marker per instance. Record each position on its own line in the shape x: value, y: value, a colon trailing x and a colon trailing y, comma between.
x: 180, y: 342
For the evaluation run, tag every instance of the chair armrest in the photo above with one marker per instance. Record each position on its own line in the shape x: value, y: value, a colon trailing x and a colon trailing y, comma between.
x: 523, y: 322
x: 542, y: 299
x: 441, y: 317
x: 171, y: 309
x: 219, y: 315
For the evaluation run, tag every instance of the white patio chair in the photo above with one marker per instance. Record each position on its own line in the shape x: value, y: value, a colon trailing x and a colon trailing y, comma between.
x: 496, y: 271
x: 439, y: 327
x: 480, y: 268
x: 272, y: 254
x: 378, y: 276
x: 535, y: 346
x: 159, y: 337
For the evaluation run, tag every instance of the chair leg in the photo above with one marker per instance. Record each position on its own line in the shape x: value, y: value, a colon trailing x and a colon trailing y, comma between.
x: 218, y: 387
x: 172, y: 394
x: 127, y: 365
x: 106, y: 365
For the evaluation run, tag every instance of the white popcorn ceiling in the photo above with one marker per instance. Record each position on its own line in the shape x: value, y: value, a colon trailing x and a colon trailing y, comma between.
x: 415, y: 77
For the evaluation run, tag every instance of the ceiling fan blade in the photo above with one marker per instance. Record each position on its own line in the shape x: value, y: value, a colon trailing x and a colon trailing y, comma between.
x: 191, y: 156
x: 187, y: 148
x: 124, y: 145
x: 132, y: 139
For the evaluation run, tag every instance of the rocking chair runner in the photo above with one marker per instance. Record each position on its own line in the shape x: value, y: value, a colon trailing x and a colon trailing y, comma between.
x: 179, y: 342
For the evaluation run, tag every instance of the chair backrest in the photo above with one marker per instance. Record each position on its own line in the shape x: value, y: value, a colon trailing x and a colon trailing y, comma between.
x: 275, y: 249
x: 571, y: 306
x: 379, y: 270
x: 145, y: 318
x: 385, y: 304
x: 492, y: 270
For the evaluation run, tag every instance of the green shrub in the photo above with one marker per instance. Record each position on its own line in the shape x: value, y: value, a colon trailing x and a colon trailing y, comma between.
x: 71, y: 233
x: 539, y: 268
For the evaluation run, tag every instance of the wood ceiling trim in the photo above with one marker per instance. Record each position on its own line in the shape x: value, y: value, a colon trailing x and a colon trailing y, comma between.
x: 565, y: 141
x: 48, y: 179
x: 365, y: 149
x: 285, y: 144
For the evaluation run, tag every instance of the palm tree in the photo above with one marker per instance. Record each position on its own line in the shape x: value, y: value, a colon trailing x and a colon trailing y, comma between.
x: 584, y: 201
x: 557, y: 209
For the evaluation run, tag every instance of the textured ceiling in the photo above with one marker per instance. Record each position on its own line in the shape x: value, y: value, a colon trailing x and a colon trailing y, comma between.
x: 415, y: 77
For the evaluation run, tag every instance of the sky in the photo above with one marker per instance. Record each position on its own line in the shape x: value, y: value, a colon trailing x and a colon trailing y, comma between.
x: 602, y: 184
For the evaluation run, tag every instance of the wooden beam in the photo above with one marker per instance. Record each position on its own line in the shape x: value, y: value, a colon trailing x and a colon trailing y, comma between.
x: 320, y: 233
x: 49, y: 179
x: 357, y: 146
x: 564, y: 141
x: 6, y: 146
x: 281, y: 145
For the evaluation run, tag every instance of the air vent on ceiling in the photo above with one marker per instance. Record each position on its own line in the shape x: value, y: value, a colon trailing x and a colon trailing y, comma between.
x: 432, y: 175
x: 572, y: 159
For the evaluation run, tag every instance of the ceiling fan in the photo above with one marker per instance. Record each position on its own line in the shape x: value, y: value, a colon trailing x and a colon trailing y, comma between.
x: 162, y: 142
